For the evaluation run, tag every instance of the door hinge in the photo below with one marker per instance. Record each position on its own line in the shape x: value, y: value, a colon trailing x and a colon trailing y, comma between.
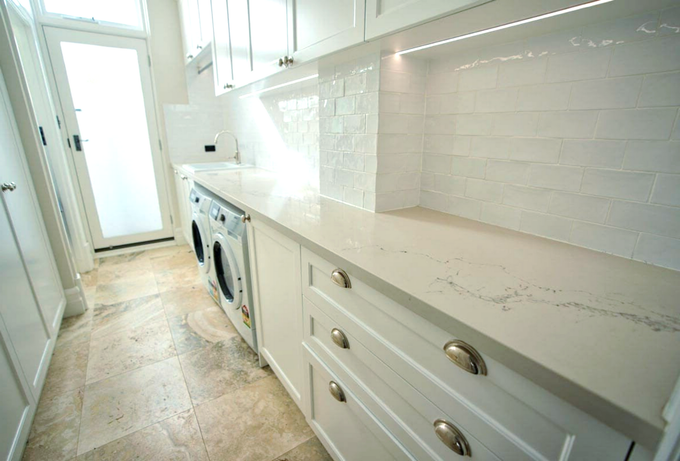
x: 160, y: 144
x: 149, y: 56
x: 172, y: 221
x: 69, y: 142
x: 42, y: 135
x: 58, y: 122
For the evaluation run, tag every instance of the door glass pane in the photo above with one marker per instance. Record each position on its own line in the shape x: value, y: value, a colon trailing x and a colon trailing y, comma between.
x: 107, y: 96
x: 125, y: 12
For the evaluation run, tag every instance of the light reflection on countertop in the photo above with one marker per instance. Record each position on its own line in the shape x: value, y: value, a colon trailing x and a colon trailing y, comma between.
x: 607, y: 326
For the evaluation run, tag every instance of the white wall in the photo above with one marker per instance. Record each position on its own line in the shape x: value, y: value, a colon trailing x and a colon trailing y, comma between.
x: 572, y: 136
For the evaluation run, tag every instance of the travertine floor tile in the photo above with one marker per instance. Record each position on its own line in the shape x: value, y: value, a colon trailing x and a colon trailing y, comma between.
x: 167, y: 251
x: 174, y: 439
x: 128, y: 314
x: 89, y: 279
x: 125, y: 258
x: 117, y: 273
x: 200, y: 329
x: 184, y: 300
x: 311, y: 450
x: 119, y: 351
x: 125, y: 290
x: 123, y: 404
x: 257, y: 423
x: 76, y: 327
x: 220, y: 368
x: 181, y: 259
x: 68, y: 367
x: 54, y: 434
x: 179, y: 277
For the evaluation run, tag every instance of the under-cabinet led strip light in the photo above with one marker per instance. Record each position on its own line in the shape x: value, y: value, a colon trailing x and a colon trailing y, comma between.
x: 506, y: 26
x: 255, y: 93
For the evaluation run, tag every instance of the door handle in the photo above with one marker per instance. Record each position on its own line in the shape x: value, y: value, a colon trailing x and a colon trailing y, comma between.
x: 76, y: 142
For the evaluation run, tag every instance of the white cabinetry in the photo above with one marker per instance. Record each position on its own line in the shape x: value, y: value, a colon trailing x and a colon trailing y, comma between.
x: 275, y: 269
x: 183, y: 189
x: 196, y: 19
x: 387, y: 16
x: 317, y: 28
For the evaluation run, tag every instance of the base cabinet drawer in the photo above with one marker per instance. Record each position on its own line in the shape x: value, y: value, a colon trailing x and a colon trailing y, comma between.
x: 510, y: 415
x: 343, y: 424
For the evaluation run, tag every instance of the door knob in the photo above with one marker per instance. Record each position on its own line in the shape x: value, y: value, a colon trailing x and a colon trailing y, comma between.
x: 452, y: 437
x: 244, y: 218
x: 465, y: 356
x: 8, y: 186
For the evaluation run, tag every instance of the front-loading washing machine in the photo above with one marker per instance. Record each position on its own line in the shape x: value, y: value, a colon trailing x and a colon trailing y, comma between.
x: 201, y: 234
x: 232, y: 267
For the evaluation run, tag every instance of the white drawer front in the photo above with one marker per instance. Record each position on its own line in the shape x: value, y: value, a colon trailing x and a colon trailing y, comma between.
x: 347, y: 429
x: 520, y: 413
x: 403, y: 410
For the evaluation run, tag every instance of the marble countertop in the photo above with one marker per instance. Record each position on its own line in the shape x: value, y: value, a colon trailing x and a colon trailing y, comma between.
x: 599, y: 331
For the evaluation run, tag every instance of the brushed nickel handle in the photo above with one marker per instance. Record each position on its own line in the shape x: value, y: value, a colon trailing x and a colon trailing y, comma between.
x: 244, y: 218
x: 336, y: 392
x: 340, y: 278
x: 183, y: 177
x: 339, y: 338
x: 280, y: 62
x: 452, y: 437
x: 8, y: 186
x: 228, y: 86
x: 465, y: 356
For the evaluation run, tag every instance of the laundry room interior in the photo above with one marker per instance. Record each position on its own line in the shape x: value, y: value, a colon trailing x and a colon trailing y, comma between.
x: 349, y: 230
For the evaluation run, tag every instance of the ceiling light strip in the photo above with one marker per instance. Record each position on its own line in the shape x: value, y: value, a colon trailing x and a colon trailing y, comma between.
x: 255, y: 93
x: 506, y: 26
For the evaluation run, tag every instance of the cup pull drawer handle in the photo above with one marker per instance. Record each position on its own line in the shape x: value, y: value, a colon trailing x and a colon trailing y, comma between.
x: 452, y: 437
x: 465, y: 356
x: 340, y: 278
x: 336, y: 392
x: 339, y: 338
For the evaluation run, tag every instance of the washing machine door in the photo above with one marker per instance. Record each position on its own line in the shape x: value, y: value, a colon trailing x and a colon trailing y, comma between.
x: 228, y: 274
x: 200, y: 238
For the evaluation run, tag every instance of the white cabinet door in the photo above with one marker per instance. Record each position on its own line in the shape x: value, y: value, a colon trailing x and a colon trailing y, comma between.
x: 191, y: 27
x: 268, y: 35
x: 205, y: 20
x: 320, y: 27
x: 277, y: 292
x: 221, y: 49
x: 387, y: 16
x: 239, y: 33
x: 16, y: 404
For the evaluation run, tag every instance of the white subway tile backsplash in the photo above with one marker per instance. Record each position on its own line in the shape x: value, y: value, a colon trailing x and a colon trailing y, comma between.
x: 451, y: 185
x: 400, y: 163
x: 439, y: 124
x: 560, y: 42
x: 544, y: 97
x: 661, y: 156
x: 461, y: 145
x: 484, y: 190
x: 327, y: 108
x: 437, y: 163
x: 667, y: 190
x: 438, y: 144
x: 500, y: 215
x: 539, y: 150
x: 653, y: 219
x: 468, y: 167
x: 515, y: 124
x: 572, y: 124
x: 578, y: 66
x: 457, y: 103
x: 616, y: 93
x: 353, y: 196
x: 442, y: 83
x: 491, y: 147
x: 581, y: 207
x: 367, y: 103
x: 669, y: 22
x: 636, y: 124
x: 477, y: 79
x: 545, y: 225
x: 507, y: 172
x: 355, y: 84
x: 660, y: 90
x: 645, y: 57
x: 496, y: 100
x: 353, y: 162
x: 593, y: 152
x: 434, y: 201
x: 526, y: 197
x: 522, y: 72
x: 345, y: 106
x: 661, y: 251
x: 556, y: 177
x: 355, y: 124
x: 617, y: 184
x: 371, y: 163
x: 464, y: 207
x: 344, y: 178
x: 333, y: 89
x: 606, y: 239
x: 474, y: 124
x: 621, y: 30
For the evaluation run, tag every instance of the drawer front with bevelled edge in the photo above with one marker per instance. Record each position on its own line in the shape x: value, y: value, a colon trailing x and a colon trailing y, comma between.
x: 401, y: 409
x: 341, y: 421
x: 530, y: 417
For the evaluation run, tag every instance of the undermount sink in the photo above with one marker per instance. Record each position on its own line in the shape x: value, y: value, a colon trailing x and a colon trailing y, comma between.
x: 199, y: 167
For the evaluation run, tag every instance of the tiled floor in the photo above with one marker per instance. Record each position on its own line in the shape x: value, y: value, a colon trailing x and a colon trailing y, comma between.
x: 155, y: 371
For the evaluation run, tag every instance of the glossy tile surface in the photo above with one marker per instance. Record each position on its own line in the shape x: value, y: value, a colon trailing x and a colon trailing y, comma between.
x: 311, y: 450
x: 116, y: 389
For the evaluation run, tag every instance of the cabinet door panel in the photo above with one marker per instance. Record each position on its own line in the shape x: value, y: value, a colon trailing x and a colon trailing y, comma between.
x: 191, y: 27
x: 386, y: 16
x: 268, y: 34
x: 239, y: 34
x: 221, y: 48
x: 277, y: 291
x: 205, y: 19
x: 318, y: 27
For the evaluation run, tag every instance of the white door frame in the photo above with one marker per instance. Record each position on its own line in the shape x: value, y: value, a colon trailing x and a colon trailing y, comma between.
x: 53, y: 36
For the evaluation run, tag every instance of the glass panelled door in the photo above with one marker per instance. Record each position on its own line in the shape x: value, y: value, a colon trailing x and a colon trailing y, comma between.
x: 104, y: 85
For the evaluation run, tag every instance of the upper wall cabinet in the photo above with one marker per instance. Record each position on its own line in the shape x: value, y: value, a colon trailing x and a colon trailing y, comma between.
x: 320, y: 27
x: 196, y: 18
x: 387, y: 16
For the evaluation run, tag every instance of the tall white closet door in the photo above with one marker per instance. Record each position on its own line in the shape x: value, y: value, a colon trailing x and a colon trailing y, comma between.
x: 25, y: 216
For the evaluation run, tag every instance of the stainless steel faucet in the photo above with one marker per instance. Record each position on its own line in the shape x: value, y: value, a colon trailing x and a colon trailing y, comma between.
x: 237, y: 154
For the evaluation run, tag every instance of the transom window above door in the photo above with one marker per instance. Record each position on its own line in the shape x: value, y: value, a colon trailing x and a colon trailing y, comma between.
x: 114, y: 12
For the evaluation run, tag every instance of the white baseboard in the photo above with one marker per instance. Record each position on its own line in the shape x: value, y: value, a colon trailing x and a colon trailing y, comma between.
x: 76, y: 303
